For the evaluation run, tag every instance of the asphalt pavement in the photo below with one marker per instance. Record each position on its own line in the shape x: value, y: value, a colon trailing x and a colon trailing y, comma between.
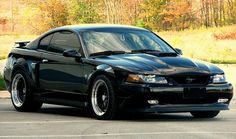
x: 54, y: 121
x: 66, y: 122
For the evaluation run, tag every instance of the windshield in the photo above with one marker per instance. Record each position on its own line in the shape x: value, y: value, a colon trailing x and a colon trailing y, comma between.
x: 127, y: 41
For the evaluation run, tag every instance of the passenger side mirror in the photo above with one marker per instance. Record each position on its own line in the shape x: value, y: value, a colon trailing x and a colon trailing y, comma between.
x: 179, y: 51
x: 72, y: 53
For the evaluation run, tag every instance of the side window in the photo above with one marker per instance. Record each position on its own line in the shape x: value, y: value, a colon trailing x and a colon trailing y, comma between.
x: 44, y: 43
x: 62, y: 41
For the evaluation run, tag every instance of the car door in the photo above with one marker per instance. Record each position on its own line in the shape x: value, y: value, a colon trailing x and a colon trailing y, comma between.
x: 59, y: 75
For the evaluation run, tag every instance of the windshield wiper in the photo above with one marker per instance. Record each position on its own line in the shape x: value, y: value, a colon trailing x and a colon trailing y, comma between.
x: 107, y: 53
x: 154, y: 52
x: 164, y: 54
x: 144, y: 51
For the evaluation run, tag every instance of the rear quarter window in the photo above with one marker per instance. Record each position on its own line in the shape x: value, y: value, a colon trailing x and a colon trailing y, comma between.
x: 44, y: 43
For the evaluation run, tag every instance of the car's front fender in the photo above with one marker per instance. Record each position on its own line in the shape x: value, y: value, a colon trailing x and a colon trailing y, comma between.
x: 102, y: 69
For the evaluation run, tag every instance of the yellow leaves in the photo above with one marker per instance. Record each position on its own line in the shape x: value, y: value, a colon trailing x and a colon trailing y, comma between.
x: 46, y: 15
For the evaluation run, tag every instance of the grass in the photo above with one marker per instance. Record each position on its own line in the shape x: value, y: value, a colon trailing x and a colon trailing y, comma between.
x: 233, y: 61
x: 2, y: 84
x: 202, y: 44
x: 198, y: 44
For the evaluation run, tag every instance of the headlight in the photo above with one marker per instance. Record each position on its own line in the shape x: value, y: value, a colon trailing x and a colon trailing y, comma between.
x: 219, y: 78
x: 146, y: 79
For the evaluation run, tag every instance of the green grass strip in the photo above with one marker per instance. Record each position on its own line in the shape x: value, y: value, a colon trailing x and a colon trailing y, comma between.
x: 2, y: 83
x: 215, y: 61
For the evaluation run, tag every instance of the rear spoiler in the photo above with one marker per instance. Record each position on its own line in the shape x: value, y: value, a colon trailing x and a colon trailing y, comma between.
x: 22, y: 43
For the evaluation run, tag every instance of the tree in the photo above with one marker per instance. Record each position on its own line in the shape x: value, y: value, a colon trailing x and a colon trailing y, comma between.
x: 53, y: 14
x: 168, y: 14
x: 177, y: 15
x: 150, y: 14
x: 113, y: 10
x: 218, y: 12
x: 3, y: 22
x: 83, y: 11
x: 43, y: 15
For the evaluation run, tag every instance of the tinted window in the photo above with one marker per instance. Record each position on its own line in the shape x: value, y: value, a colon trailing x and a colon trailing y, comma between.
x: 62, y: 41
x: 44, y: 43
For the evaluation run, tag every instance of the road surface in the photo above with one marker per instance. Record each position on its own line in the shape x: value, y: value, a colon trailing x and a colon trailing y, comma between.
x: 65, y: 122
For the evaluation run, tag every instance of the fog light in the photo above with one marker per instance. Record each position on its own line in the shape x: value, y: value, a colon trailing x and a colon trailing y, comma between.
x: 152, y: 102
x: 223, y: 100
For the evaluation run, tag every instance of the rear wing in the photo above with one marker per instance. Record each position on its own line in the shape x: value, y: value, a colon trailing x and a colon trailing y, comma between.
x: 21, y: 43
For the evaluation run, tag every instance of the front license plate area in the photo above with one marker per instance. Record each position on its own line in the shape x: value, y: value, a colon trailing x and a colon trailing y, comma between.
x: 194, y: 92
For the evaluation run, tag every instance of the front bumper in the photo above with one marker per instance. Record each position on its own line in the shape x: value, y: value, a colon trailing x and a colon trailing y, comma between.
x: 183, y: 108
x: 176, y: 98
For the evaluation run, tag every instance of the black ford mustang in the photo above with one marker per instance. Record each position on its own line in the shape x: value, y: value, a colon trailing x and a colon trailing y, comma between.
x: 109, y: 68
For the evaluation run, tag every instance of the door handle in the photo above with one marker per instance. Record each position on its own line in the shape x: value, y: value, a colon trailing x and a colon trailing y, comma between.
x: 45, y: 61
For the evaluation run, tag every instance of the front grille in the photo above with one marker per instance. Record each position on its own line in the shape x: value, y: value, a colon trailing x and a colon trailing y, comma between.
x: 191, y: 79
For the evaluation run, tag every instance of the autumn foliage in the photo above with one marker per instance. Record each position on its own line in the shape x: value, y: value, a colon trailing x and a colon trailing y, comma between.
x: 41, y: 15
x: 231, y: 35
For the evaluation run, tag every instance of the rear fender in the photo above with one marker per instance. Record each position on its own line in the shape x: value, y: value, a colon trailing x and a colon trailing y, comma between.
x: 29, y: 67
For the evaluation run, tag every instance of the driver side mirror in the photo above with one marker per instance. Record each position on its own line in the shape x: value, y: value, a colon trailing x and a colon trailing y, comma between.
x: 179, y: 51
x: 72, y: 53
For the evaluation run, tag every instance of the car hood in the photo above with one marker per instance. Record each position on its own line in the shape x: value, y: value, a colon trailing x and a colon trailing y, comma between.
x: 151, y: 64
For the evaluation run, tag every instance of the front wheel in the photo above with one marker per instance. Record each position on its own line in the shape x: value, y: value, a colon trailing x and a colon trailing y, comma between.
x: 204, y: 114
x: 103, y: 98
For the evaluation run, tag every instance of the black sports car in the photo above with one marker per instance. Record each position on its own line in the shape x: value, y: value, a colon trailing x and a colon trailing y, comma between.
x: 109, y: 68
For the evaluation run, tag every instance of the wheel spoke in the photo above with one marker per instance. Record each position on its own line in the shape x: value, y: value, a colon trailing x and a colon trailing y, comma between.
x: 100, y: 97
x: 18, y: 90
x: 105, y: 104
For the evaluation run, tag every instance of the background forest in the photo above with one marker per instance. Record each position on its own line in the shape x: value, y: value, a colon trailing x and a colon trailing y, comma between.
x: 158, y: 15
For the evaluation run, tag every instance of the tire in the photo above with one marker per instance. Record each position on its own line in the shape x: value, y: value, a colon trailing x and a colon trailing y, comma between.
x: 102, y: 98
x: 204, y: 114
x: 21, y: 93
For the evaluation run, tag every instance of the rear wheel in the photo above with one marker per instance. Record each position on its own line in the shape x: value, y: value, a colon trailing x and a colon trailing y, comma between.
x: 102, y: 98
x: 21, y: 95
x: 204, y: 114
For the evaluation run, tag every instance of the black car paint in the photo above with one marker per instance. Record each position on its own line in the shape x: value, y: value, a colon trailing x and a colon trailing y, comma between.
x: 151, y: 64
x: 64, y: 80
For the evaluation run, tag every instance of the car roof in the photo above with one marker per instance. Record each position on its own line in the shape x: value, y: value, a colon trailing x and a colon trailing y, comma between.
x: 84, y: 27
